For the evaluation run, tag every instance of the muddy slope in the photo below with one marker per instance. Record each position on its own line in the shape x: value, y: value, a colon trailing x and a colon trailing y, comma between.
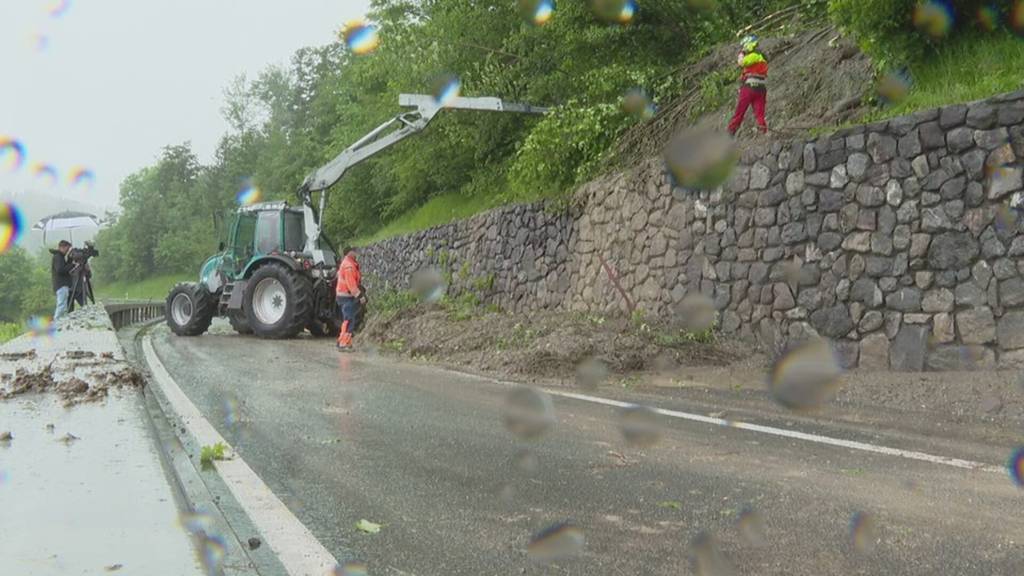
x: 817, y: 79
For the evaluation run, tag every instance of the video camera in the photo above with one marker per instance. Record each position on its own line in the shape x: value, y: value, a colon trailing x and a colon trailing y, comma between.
x: 82, y: 255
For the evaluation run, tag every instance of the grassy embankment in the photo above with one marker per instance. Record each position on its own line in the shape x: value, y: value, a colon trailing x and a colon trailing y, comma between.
x: 155, y: 288
x: 971, y: 68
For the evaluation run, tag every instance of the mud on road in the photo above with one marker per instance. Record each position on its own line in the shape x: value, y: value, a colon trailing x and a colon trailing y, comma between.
x: 80, y: 362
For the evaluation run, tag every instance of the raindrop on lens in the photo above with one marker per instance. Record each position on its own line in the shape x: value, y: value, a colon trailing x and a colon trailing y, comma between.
x: 12, y: 153
x: 894, y: 86
x: 620, y: 11
x: 1017, y: 18
x: 526, y: 461
x: 637, y: 103
x: 806, y: 376
x: 591, y: 373
x: 1006, y: 218
x: 446, y: 88
x: 46, y: 174
x: 428, y: 284
x: 696, y: 312
x: 249, y: 194
x: 57, y: 8
x: 988, y: 18
x: 529, y: 412
x: 557, y: 542
x: 752, y: 528
x: 863, y: 532
x: 361, y: 37
x: 230, y: 407
x: 538, y: 12
x: 350, y: 569
x: 640, y: 426
x: 81, y: 177
x: 934, y: 18
x: 1015, y: 466
x: 12, y: 226
x: 707, y: 559
x: 700, y: 159
x: 41, y: 327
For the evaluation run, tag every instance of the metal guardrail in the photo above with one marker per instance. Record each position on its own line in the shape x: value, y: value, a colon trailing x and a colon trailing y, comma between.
x: 127, y: 313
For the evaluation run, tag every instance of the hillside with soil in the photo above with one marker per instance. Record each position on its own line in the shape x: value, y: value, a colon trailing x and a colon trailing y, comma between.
x: 818, y: 79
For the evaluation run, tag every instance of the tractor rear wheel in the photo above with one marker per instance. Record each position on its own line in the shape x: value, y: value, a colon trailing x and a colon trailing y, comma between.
x: 190, y: 309
x: 278, y: 302
x: 240, y: 322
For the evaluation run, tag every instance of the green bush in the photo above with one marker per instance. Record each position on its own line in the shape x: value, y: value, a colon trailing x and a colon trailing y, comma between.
x: 885, y: 29
x: 9, y: 331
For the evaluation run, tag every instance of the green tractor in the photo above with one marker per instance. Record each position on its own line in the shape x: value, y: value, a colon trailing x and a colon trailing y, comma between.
x: 262, y: 280
x: 275, y: 274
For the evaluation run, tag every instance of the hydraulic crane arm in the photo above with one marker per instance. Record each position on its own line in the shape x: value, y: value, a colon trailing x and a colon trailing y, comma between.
x: 411, y: 122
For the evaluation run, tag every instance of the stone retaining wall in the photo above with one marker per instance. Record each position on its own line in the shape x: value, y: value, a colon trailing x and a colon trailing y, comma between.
x: 900, y: 241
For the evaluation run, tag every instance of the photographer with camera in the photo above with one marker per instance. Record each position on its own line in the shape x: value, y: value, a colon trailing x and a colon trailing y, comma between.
x: 60, y: 273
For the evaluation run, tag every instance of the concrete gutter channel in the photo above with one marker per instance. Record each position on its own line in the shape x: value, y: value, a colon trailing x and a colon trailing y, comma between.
x: 83, y: 527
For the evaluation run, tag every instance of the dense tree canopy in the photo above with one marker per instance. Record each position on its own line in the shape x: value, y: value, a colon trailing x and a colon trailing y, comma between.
x: 290, y: 120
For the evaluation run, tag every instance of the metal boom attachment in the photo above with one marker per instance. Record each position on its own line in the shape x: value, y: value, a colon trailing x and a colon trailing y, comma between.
x: 381, y: 138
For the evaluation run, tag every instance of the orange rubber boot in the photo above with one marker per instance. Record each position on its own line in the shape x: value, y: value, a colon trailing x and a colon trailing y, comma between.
x: 344, y: 337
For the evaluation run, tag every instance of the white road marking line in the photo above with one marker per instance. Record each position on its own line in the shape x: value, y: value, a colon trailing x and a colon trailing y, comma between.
x: 851, y: 444
x: 295, y: 546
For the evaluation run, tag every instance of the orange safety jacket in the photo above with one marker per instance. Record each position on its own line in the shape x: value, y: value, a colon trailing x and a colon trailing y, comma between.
x: 349, y: 278
x: 755, y: 69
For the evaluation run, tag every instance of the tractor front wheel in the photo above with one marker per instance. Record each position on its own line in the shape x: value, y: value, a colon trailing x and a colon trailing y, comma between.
x: 278, y: 302
x: 190, y: 309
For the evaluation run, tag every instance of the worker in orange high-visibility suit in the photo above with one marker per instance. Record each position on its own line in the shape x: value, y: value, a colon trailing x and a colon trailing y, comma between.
x: 350, y: 297
x: 753, y: 85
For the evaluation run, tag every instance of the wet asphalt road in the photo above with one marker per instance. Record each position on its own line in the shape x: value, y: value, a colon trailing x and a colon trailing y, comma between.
x: 424, y: 452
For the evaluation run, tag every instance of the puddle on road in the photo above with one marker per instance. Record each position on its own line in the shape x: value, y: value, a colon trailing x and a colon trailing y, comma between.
x: 58, y: 517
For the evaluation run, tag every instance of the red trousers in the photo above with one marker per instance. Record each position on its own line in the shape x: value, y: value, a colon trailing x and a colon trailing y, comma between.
x: 750, y: 97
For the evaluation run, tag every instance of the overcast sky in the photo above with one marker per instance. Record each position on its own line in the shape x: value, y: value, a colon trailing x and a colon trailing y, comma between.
x: 119, y: 79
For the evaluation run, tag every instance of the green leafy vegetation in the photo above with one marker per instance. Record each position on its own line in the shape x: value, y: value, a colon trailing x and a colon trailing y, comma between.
x: 210, y: 453
x: 155, y: 288
x: 25, y: 288
x: 970, y: 68
x: 288, y: 120
x: 9, y: 331
x: 389, y: 303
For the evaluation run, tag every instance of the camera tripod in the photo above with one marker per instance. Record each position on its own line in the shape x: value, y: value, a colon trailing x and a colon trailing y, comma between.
x: 80, y: 281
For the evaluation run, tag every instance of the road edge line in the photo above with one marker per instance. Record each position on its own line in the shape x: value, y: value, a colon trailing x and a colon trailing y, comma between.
x: 769, y: 430
x: 295, y: 546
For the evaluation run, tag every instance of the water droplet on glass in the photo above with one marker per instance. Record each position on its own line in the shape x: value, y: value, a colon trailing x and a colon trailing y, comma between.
x: 211, y: 546
x: 591, y: 373
x: 617, y: 11
x: 1006, y: 218
x: 988, y: 18
x: 529, y: 412
x: 360, y: 36
x: 894, y: 86
x: 538, y: 12
x: 230, y: 409
x: 81, y: 178
x: 45, y: 174
x: 752, y: 528
x: 350, y: 569
x: 428, y: 284
x: 934, y: 18
x: 248, y: 194
x: 12, y: 226
x: 805, y: 377
x: 700, y: 159
x: 863, y: 532
x: 12, y: 154
x: 696, y: 313
x: 446, y: 88
x: 640, y: 426
x: 638, y: 103
x: 1015, y: 466
x: 57, y: 8
x: 707, y: 558
x: 526, y: 461
x: 557, y: 542
x: 41, y: 327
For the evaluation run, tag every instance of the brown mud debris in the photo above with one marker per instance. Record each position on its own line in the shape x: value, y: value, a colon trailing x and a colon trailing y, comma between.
x: 12, y: 356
